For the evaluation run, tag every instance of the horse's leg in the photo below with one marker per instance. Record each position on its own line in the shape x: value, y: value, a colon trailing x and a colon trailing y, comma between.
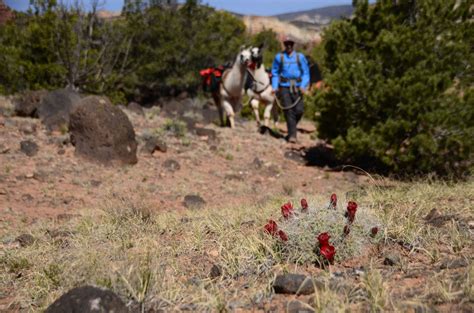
x: 267, y: 114
x: 254, y: 103
x: 229, y: 111
x: 218, y: 100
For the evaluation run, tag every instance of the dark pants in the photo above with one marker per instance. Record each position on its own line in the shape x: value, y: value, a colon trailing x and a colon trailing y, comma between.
x: 294, y: 114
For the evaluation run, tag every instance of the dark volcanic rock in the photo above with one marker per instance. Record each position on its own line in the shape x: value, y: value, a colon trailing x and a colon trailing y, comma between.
x: 436, y: 219
x: 453, y: 263
x: 194, y: 202
x: 171, y: 165
x: 25, y: 240
x: 295, y: 156
x: 102, y: 132
x: 27, y: 104
x: 391, y: 259
x: 293, y: 284
x: 211, y: 134
x: 88, y: 299
x: 215, y: 272
x: 56, y: 107
x: 29, y: 148
x: 152, y: 144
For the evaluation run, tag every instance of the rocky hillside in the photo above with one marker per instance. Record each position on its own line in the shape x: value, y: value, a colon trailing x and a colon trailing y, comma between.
x: 305, y: 26
x: 256, y: 24
x: 321, y: 16
x: 5, y: 13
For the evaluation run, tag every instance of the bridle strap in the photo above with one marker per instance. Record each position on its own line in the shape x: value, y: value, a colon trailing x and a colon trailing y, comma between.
x: 258, y: 82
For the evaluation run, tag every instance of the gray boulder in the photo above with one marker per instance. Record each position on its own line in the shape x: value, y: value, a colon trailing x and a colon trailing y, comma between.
x: 28, y: 103
x: 102, y: 132
x: 56, y: 107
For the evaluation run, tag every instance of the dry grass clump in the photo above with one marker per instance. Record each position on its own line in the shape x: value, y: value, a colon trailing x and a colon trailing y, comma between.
x: 162, y: 260
x: 430, y: 217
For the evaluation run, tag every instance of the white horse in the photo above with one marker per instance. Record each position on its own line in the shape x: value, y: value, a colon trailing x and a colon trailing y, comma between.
x: 230, y: 91
x: 261, y: 90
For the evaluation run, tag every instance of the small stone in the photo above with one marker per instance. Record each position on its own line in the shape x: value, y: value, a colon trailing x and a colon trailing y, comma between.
x: 3, y: 192
x: 296, y: 306
x: 28, y: 128
x: 27, y: 197
x: 66, y: 216
x: 436, y: 219
x: 61, y: 152
x: 392, y: 259
x: 448, y: 263
x: 257, y: 163
x: 214, y: 253
x: 194, y: 202
x: 29, y: 148
x: 216, y: 271
x: 25, y: 240
x: 40, y: 175
x: 210, y: 134
x: 95, y: 183
x: 293, y: 284
x: 294, y: 156
x: 4, y: 149
x: 172, y: 165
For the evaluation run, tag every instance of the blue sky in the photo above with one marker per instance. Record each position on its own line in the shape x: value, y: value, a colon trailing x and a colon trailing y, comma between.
x: 256, y: 7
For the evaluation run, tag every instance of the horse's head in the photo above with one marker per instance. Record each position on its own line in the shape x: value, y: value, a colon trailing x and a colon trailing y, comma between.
x: 245, y: 56
x: 257, y: 55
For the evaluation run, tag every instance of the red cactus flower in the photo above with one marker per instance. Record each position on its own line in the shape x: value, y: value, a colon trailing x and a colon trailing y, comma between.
x: 347, y: 230
x: 304, y: 205
x: 323, y: 239
x: 351, y: 211
x: 283, y: 235
x: 374, y: 231
x: 333, y: 203
x: 271, y: 227
x: 328, y: 252
x: 287, y: 210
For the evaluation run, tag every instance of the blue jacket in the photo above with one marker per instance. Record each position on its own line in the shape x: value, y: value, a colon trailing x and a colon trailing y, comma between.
x: 290, y: 70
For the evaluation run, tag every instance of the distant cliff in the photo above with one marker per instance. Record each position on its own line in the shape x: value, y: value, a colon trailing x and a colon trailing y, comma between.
x: 5, y: 13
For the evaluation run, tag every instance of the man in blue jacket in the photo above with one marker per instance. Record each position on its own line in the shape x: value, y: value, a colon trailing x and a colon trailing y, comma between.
x: 290, y: 80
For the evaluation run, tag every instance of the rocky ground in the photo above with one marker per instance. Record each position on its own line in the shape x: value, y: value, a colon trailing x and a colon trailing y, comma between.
x: 182, y: 229
x: 220, y: 165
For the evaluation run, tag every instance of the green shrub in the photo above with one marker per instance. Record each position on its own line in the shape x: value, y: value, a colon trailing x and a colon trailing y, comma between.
x: 399, y: 95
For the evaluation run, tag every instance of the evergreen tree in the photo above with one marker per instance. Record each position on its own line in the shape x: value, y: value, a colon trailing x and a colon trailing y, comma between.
x: 400, y: 94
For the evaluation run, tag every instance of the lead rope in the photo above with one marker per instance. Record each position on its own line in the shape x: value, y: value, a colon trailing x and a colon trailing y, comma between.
x: 287, y: 108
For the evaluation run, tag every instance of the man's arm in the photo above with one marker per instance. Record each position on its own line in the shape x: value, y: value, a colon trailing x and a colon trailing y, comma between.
x: 276, y: 72
x: 305, y: 78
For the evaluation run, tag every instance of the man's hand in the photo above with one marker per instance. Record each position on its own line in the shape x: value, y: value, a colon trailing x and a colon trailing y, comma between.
x: 274, y: 91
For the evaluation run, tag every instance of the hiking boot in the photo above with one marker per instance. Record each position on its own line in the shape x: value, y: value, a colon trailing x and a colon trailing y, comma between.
x: 292, y: 140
